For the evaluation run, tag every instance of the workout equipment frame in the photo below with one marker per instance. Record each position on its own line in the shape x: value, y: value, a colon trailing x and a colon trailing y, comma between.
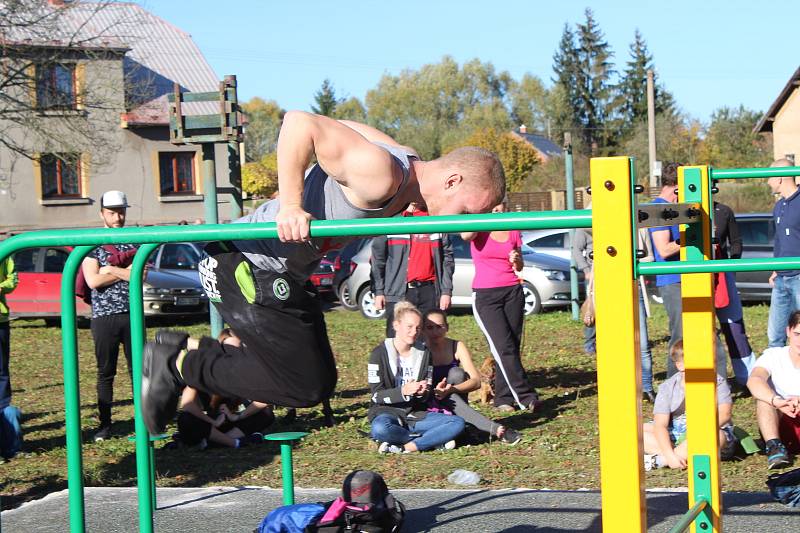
x: 618, y: 365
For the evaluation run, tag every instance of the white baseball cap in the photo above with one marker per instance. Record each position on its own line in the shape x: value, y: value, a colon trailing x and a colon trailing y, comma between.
x: 113, y: 199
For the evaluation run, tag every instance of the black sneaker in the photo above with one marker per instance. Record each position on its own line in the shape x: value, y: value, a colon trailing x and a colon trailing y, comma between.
x: 777, y: 456
x: 511, y: 437
x: 170, y: 336
x: 160, y: 387
x: 103, y: 433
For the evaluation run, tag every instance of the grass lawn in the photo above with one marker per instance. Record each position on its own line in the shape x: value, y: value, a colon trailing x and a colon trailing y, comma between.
x: 559, y: 449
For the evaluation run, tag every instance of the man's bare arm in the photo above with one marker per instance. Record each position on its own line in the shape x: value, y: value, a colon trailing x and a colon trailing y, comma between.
x: 91, y: 272
x: 662, y: 243
x: 363, y: 169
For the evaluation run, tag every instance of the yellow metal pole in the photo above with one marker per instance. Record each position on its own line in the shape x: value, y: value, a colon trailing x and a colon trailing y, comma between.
x: 698, y: 342
x: 618, y: 361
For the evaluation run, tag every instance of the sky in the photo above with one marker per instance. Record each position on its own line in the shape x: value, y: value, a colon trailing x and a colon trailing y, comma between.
x: 707, y: 53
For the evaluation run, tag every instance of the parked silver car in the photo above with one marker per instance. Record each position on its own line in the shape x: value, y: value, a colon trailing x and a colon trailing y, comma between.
x: 555, y: 242
x: 173, y: 283
x: 545, y: 285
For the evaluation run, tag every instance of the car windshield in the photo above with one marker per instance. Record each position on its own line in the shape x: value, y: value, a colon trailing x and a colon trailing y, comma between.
x: 180, y: 255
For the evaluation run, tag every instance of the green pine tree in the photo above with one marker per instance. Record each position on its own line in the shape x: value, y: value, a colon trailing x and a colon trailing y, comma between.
x: 325, y: 99
x: 564, y: 108
x: 633, y: 87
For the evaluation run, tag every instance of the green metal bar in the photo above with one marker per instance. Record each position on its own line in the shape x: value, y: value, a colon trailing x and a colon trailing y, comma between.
x: 740, y: 173
x: 287, y: 473
x: 72, y: 400
x: 719, y: 265
x: 198, y: 122
x: 687, y: 519
x: 573, y: 267
x: 144, y: 467
x: 579, y: 218
x: 212, y: 217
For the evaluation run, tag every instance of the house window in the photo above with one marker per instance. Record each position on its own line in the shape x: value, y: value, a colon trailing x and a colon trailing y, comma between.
x: 176, y: 172
x: 55, y: 86
x: 61, y: 175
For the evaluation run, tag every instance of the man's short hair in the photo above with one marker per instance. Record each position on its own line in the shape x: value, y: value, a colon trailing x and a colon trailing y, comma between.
x: 669, y: 174
x: 481, y: 168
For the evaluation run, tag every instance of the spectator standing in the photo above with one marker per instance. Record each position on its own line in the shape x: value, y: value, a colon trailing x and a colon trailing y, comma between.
x: 498, y: 305
x: 8, y: 282
x: 731, y: 317
x: 582, y: 248
x: 666, y: 247
x: 110, y: 308
x: 775, y: 384
x: 415, y: 268
x: 785, y: 283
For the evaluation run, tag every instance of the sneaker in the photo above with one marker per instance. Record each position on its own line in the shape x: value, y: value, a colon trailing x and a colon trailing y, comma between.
x: 511, y: 437
x: 505, y: 408
x: 535, y: 405
x: 175, y: 338
x: 103, y: 433
x: 650, y: 462
x: 385, y: 447
x: 649, y: 396
x: 160, y: 387
x: 255, y: 438
x: 777, y: 456
x: 449, y: 445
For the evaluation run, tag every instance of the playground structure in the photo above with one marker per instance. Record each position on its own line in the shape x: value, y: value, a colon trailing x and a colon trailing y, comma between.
x: 617, y: 215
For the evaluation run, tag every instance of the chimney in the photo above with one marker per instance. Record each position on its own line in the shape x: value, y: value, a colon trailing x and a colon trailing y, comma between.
x: 523, y: 129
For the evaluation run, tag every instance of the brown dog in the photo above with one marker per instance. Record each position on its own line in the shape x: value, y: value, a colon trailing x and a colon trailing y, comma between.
x: 487, y: 371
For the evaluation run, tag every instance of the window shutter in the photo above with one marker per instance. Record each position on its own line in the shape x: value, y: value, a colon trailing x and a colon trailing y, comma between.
x: 30, y: 73
x: 80, y: 86
x: 85, y: 161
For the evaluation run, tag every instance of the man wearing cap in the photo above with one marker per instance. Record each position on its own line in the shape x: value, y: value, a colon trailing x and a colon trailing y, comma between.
x: 110, y: 308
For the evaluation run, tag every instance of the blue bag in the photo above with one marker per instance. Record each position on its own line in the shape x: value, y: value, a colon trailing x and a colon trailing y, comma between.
x: 786, y: 487
x: 291, y: 518
x: 10, y: 432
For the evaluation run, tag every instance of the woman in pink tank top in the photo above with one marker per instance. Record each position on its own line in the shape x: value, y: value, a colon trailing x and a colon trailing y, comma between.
x: 498, y: 305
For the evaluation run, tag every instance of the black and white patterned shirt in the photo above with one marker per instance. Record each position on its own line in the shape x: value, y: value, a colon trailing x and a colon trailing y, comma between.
x: 111, y: 299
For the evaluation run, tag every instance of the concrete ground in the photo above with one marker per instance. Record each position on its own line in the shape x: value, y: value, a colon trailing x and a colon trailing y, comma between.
x: 241, y: 509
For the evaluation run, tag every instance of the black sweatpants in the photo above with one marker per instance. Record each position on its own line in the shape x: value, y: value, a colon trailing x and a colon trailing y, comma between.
x: 423, y: 297
x: 108, y: 333
x: 285, y: 359
x: 500, y: 312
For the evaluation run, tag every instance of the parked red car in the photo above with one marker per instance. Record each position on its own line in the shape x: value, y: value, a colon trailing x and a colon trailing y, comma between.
x: 322, y: 278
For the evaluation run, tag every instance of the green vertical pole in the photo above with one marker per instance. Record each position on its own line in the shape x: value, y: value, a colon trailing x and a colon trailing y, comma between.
x: 144, y: 471
x: 573, y: 267
x: 287, y: 473
x: 210, y: 205
x: 234, y: 161
x: 72, y: 400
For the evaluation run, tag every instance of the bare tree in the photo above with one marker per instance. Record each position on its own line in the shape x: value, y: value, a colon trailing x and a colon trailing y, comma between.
x: 49, y: 101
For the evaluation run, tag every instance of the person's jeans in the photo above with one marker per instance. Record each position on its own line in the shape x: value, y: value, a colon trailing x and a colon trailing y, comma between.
x: 785, y: 299
x: 590, y: 338
x: 5, y: 376
x: 434, y: 430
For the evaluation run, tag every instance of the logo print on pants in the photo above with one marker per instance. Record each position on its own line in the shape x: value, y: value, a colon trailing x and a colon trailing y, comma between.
x: 208, y: 278
x: 281, y: 289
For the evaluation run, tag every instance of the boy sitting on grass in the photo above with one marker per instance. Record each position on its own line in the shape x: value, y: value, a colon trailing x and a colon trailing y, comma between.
x: 665, y: 437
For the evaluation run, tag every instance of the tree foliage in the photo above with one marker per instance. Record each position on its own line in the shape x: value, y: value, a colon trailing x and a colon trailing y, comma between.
x: 325, y: 99
x: 731, y: 143
x: 351, y: 109
x: 519, y: 158
x: 440, y: 104
x: 263, y: 124
x: 260, y: 178
x: 633, y: 86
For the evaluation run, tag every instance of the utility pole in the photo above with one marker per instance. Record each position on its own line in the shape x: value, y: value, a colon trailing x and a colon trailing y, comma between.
x: 651, y: 128
x: 573, y: 267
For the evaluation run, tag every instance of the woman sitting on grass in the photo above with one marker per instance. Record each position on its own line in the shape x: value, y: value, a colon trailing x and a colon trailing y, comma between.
x: 219, y: 420
x: 399, y: 375
x: 455, y: 376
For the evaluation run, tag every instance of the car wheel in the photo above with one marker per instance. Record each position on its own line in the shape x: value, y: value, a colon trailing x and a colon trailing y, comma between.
x: 344, y: 297
x: 366, y: 303
x: 533, y: 302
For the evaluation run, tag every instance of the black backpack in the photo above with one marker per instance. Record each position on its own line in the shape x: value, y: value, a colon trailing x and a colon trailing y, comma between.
x: 365, y: 506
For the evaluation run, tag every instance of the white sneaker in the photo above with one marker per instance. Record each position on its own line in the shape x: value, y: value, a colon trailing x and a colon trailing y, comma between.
x: 385, y: 447
x: 449, y: 445
x: 649, y: 462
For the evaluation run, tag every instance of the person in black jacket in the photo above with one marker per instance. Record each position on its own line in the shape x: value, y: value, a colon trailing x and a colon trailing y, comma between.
x: 400, y: 374
x: 730, y: 316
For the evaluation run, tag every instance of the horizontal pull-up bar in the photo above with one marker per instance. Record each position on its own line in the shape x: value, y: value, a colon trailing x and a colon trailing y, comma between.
x: 740, y: 173
x: 578, y: 218
x: 719, y: 265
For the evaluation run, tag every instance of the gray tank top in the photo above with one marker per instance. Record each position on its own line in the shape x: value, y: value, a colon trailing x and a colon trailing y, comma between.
x: 324, y: 199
